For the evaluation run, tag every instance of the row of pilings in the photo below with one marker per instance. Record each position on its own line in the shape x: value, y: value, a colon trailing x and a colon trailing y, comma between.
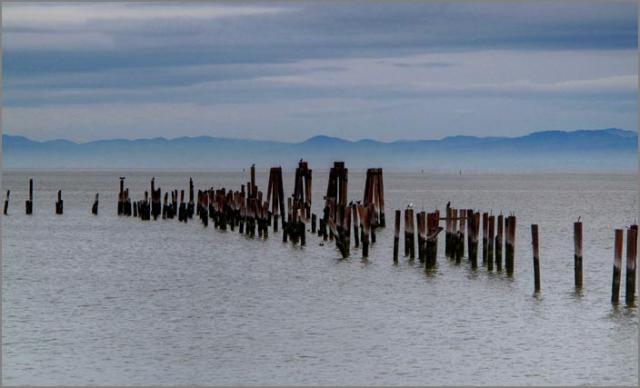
x: 253, y: 214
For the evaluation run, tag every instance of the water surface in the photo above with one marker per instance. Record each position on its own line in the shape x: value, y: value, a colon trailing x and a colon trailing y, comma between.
x: 115, y: 300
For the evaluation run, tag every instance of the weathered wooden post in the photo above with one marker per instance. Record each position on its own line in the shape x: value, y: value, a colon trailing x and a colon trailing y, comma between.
x: 355, y: 220
x: 577, y: 257
x: 190, y: 205
x: 461, y: 234
x: 617, y: 266
x: 366, y: 226
x: 632, y: 244
x: 485, y: 233
x: 490, y: 240
x: 29, y: 202
x: 94, y: 208
x: 498, y: 242
x: 396, y: 236
x: 59, y: 203
x: 536, y: 257
x: 510, y: 244
x: 182, y: 211
x: 433, y: 229
x: 409, y: 233
x: 447, y: 227
x: 121, y: 197
x: 6, y: 203
x: 422, y: 235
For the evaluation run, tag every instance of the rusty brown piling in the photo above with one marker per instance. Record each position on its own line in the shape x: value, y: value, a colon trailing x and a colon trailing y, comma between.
x: 422, y: 235
x: 6, y: 203
x: 94, y: 207
x: 536, y: 257
x: 510, y: 228
x: 498, y: 241
x: 485, y: 234
x: 366, y: 228
x: 632, y: 245
x: 336, y: 207
x: 374, y: 194
x: 275, y: 196
x: 433, y: 229
x: 617, y: 266
x: 29, y: 202
x: 462, y: 214
x: 356, y: 221
x: 409, y: 234
x: 302, y: 188
x: 472, y: 236
x: 490, y: 240
x: 396, y: 236
x: 577, y: 256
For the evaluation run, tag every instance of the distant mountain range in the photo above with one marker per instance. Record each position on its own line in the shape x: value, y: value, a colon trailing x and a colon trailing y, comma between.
x: 583, y: 150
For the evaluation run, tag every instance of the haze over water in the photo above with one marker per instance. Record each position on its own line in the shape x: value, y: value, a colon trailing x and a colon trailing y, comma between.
x: 116, y: 300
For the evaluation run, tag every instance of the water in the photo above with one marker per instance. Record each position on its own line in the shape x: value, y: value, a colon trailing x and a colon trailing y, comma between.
x: 115, y: 300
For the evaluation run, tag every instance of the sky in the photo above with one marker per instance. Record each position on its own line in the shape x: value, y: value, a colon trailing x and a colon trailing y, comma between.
x: 290, y: 70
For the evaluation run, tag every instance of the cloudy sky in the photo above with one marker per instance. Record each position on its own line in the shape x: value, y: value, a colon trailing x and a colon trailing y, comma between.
x: 291, y: 70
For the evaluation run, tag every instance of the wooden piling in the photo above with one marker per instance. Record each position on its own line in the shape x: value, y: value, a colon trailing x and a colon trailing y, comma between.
x: 461, y: 234
x: 94, y: 207
x: 313, y: 223
x: 433, y: 229
x: 632, y: 244
x: 396, y: 236
x: 485, y: 233
x: 355, y: 220
x: 6, y: 203
x: 617, y: 266
x: 498, y: 241
x: 59, y: 203
x: 447, y: 227
x: 422, y: 235
x: 577, y: 256
x: 536, y: 257
x: 490, y: 240
x: 29, y: 202
x: 510, y: 227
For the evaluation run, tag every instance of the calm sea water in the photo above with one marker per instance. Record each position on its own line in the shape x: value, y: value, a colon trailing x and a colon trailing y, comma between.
x: 115, y: 300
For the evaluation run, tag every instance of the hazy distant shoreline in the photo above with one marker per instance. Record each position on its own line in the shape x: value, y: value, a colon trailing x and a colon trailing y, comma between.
x: 605, y: 150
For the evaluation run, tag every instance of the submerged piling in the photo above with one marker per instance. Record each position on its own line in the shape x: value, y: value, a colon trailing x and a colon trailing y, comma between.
x: 94, y: 207
x: 59, y: 203
x: 485, y: 233
x: 490, y: 240
x: 498, y: 241
x: 29, y: 202
x: 577, y: 256
x: 396, y: 236
x: 536, y: 257
x: 6, y: 203
x: 617, y: 265
x: 632, y: 244
x: 510, y: 227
